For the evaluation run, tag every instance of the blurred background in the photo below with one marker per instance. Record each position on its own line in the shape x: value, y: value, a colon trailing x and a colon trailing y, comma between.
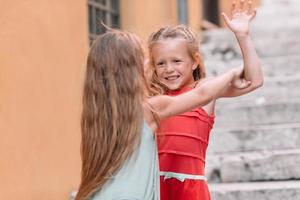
x: 254, y: 150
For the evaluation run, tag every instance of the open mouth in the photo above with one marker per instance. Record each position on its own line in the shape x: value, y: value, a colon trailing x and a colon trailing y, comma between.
x: 172, y: 78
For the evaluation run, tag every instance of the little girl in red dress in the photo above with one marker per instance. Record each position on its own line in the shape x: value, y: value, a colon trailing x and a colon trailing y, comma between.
x: 177, y: 68
x: 182, y: 143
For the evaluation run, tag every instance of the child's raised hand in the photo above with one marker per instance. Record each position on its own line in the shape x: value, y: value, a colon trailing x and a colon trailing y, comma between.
x: 241, y: 15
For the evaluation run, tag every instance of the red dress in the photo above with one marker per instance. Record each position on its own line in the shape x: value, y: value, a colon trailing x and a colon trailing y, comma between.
x: 182, y: 143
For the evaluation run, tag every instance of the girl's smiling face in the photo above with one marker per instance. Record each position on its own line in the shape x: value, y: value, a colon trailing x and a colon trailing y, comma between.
x: 173, y: 63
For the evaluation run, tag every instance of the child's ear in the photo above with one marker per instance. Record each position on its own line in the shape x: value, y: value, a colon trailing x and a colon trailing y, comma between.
x: 194, y: 66
x: 196, y: 59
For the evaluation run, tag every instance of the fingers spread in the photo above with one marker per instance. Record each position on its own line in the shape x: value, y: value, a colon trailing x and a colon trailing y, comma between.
x: 233, y: 8
x: 249, y: 8
x: 242, y: 5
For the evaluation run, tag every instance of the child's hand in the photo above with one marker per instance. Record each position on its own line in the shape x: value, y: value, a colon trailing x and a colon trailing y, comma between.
x: 238, y: 81
x: 241, y: 15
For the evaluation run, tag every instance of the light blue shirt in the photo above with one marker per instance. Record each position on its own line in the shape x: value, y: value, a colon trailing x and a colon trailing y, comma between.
x: 138, y: 179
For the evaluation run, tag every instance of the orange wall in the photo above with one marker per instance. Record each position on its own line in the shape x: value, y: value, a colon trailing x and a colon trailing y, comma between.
x: 144, y: 17
x: 195, y: 14
x: 42, y: 56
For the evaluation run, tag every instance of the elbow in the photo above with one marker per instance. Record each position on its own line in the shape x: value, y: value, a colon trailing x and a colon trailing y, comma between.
x: 257, y: 84
x: 258, y: 81
x: 260, y: 84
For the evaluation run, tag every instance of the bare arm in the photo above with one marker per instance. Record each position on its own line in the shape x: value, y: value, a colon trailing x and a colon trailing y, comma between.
x: 166, y: 106
x: 241, y: 16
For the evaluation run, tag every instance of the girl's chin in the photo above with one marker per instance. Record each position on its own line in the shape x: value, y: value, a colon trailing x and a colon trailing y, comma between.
x: 173, y: 87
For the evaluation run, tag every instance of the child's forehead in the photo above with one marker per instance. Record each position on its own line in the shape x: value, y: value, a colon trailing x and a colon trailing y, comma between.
x: 172, y: 40
x: 170, y: 48
x: 171, y: 44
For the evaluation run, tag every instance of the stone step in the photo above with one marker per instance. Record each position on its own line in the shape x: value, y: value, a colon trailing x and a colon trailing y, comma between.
x: 258, y: 165
x: 273, y: 16
x: 286, y: 111
x: 272, y: 33
x: 278, y: 11
x: 268, y: 47
x: 275, y: 66
x: 291, y: 29
x: 283, y: 15
x: 275, y: 34
x: 273, y: 90
x: 268, y: 137
x: 284, y: 190
x: 271, y: 48
x: 280, y: 3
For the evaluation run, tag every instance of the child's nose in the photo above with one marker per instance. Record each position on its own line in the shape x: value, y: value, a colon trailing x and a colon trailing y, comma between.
x: 169, y: 67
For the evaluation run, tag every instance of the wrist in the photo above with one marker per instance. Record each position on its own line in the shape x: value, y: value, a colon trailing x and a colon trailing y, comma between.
x: 241, y: 36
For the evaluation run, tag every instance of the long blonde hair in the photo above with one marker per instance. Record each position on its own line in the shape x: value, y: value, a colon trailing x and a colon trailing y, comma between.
x: 112, y: 113
x: 173, y: 32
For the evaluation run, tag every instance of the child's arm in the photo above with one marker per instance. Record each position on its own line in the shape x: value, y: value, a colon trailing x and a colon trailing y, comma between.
x: 241, y: 16
x: 166, y: 106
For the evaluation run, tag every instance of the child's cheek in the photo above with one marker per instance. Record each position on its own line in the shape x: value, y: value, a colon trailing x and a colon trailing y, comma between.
x: 159, y: 74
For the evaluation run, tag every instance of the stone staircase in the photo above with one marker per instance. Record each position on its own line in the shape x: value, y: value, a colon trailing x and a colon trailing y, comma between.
x: 254, y: 150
